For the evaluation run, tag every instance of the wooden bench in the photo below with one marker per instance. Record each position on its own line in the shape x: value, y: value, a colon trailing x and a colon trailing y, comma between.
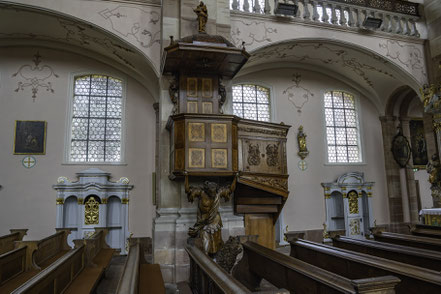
x: 414, y: 256
x: 283, y: 271
x: 56, y: 277
x: 426, y: 231
x: 138, y: 276
x: 206, y: 276
x: 7, y: 241
x: 352, y: 265
x: 409, y: 240
x: 97, y: 256
x: 29, y: 257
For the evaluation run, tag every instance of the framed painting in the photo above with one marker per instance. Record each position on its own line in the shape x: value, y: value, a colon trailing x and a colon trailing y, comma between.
x: 401, y: 149
x: 30, y: 137
x: 418, y: 143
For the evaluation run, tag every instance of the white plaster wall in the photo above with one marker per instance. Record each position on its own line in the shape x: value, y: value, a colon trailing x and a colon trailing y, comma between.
x: 305, y: 208
x: 27, y: 198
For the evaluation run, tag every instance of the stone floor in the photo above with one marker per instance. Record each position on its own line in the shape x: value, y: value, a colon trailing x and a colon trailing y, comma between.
x: 111, y: 278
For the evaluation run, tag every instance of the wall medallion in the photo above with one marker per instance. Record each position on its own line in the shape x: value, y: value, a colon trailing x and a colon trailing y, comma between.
x: 29, y: 161
x: 401, y: 149
x: 303, y: 165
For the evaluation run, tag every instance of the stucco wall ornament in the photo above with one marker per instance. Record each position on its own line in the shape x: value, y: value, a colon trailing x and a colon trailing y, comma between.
x: 297, y: 94
x: 260, y: 33
x: 146, y: 33
x: 408, y: 55
x: 35, y: 76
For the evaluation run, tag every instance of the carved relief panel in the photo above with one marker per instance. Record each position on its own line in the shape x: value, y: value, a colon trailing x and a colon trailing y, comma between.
x: 199, y: 94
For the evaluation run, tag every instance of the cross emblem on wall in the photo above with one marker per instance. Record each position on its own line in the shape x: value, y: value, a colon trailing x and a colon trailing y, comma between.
x: 303, y: 165
x: 29, y: 161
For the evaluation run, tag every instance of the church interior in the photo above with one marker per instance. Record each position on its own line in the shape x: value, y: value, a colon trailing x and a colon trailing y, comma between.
x: 229, y: 146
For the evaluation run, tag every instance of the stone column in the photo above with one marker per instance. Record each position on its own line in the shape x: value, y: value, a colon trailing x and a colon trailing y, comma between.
x: 410, y: 177
x: 392, y: 171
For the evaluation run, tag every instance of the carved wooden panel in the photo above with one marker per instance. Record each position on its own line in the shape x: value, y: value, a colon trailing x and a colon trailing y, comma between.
x: 196, y: 132
x: 196, y: 157
x: 207, y: 88
x: 207, y: 107
x: 192, y: 106
x: 192, y: 87
x: 219, y: 158
x: 199, y: 94
x: 219, y: 133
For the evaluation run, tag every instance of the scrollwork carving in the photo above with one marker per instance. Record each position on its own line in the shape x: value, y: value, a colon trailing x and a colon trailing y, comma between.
x: 272, y: 154
x: 173, y: 91
x: 253, y: 154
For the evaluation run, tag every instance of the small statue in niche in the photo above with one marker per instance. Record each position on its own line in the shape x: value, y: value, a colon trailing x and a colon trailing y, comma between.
x: 301, y: 140
x: 272, y: 153
x: 173, y: 90
x: 208, y: 226
x: 253, y: 154
x: 202, y: 13
x: 222, y: 95
x: 434, y: 170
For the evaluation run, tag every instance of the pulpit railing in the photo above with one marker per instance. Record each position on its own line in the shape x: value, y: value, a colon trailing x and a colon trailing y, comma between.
x: 397, y: 17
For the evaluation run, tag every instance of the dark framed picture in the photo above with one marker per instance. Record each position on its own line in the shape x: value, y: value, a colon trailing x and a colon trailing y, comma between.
x: 30, y: 137
x: 401, y: 149
x: 418, y: 143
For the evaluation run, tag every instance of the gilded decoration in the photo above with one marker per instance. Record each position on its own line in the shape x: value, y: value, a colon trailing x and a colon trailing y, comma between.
x: 125, y: 201
x: 219, y: 133
x: 60, y: 201
x: 418, y: 143
x: 207, y: 88
x: 434, y: 170
x: 91, y: 211
x: 272, y: 154
x: 104, y: 201
x: 202, y: 13
x: 353, y: 202
x: 196, y: 157
x: 219, y: 158
x: 192, y: 107
x: 192, y: 87
x: 62, y: 180
x: 173, y: 90
x: 80, y: 201
x: 196, y: 132
x: 253, y: 154
x: 207, y: 107
x: 354, y: 225
x: 301, y: 140
x: 278, y: 183
x: 208, y: 226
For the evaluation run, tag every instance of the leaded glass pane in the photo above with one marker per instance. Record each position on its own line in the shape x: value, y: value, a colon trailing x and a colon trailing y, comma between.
x: 341, y: 127
x: 251, y: 102
x: 96, y: 120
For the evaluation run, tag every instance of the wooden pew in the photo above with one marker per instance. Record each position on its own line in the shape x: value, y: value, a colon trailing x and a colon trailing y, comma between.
x: 283, y: 271
x: 7, y: 241
x: 206, y: 276
x: 56, y: 277
x: 352, y: 265
x: 414, y: 256
x: 78, y: 271
x: 29, y: 257
x: 97, y: 256
x: 138, y: 276
x: 409, y: 240
x: 426, y: 231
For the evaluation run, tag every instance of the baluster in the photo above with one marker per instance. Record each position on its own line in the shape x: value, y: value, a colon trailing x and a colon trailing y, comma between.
x: 296, y: 2
x: 334, y: 18
x: 359, y: 17
x: 315, y: 15
x: 351, y: 20
x: 398, y: 27
x: 414, y: 31
x: 257, y: 8
x: 306, y: 13
x: 406, y: 26
x: 390, y: 23
x: 235, y: 5
x: 325, y: 17
x: 343, y: 19
x: 267, y: 8
x: 246, y: 6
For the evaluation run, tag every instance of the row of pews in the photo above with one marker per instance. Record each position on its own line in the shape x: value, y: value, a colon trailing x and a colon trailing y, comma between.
x: 50, y: 266
x: 388, y: 263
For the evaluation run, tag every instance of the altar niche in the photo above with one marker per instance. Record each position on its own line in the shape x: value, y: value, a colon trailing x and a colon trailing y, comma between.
x: 93, y: 201
x: 348, y: 203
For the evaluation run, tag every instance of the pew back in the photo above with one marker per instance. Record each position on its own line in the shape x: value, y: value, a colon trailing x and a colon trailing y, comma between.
x: 129, y: 281
x: 12, y: 264
x: 426, y: 231
x: 354, y: 265
x: 7, y: 241
x: 409, y: 240
x: 415, y: 256
x: 299, y: 277
x: 56, y: 277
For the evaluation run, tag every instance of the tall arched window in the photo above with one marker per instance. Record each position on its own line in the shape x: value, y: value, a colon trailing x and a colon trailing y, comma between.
x: 342, y: 128
x: 96, y: 119
x: 251, y: 102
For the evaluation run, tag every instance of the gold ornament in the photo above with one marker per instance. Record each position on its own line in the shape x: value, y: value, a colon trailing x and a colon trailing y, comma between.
x: 91, y: 211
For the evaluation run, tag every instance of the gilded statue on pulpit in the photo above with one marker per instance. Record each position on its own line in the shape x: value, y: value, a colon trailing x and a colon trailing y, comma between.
x: 202, y: 13
x: 208, y: 226
x: 434, y: 170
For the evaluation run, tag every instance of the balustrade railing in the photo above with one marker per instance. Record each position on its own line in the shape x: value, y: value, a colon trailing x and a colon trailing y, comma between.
x: 398, y: 17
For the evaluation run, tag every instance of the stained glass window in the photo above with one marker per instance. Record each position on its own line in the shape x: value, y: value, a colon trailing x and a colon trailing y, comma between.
x: 96, y: 119
x: 251, y: 102
x: 342, y: 128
